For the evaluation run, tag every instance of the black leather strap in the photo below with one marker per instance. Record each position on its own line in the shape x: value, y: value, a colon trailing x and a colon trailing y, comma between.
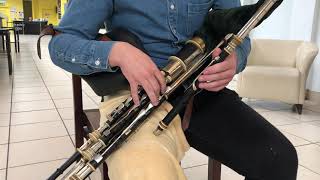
x: 49, y: 30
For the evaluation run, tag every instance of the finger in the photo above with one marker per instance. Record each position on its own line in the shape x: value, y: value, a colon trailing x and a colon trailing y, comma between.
x: 214, y: 84
x: 161, y: 80
x: 150, y: 92
x: 216, y: 77
x: 155, y: 85
x: 134, y: 93
x: 217, y: 68
x: 216, y: 52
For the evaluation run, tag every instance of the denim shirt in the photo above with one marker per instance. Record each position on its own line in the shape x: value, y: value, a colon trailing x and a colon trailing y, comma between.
x: 162, y: 25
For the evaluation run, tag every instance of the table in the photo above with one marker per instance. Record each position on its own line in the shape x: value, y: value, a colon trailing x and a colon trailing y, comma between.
x: 34, y: 27
x: 5, y: 34
x: 16, y: 38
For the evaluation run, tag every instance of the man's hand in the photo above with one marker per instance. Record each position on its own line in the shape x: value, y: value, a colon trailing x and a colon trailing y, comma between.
x: 138, y: 69
x: 218, y: 76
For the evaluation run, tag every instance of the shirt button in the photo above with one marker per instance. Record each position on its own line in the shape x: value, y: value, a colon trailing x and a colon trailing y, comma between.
x: 97, y: 62
x: 174, y: 31
x: 172, y: 7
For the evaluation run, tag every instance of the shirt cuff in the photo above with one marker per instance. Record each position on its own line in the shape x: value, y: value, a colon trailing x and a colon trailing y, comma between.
x: 243, y: 52
x: 100, y: 51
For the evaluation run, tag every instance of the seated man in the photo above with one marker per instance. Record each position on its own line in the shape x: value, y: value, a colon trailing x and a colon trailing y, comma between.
x: 222, y: 126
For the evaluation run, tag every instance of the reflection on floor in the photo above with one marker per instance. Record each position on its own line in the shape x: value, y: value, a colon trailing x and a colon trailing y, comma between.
x: 36, y: 125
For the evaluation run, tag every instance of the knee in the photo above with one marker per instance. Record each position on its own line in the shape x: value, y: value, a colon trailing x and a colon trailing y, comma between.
x: 289, y: 157
x: 285, y: 162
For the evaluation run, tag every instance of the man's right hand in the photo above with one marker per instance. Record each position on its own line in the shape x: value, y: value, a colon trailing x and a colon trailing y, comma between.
x: 139, y: 70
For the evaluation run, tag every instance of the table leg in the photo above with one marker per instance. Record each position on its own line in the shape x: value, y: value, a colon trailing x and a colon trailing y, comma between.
x: 3, y: 45
x: 8, y: 46
x: 18, y: 38
x: 15, y: 40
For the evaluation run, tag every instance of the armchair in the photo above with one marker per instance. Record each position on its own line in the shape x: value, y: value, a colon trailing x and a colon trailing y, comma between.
x: 277, y: 70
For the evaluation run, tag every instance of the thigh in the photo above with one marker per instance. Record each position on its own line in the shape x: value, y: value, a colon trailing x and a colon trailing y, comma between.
x: 225, y: 128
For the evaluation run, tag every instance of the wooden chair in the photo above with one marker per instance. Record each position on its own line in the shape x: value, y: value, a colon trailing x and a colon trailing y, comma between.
x: 88, y: 120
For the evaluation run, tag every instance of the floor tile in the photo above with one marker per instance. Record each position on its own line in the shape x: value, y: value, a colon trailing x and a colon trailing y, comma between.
x: 194, y: 158
x: 70, y: 126
x: 90, y: 92
x: 35, y: 131
x: 304, y: 130
x: 309, y: 156
x: 306, y: 174
x: 5, y: 92
x: 314, y: 108
x: 30, y: 97
x: 66, y: 113
x: 277, y: 119
x: 68, y: 103
x: 26, y: 77
x: 273, y: 105
x: 56, y: 78
x: 309, y: 102
x: 5, y: 107
x: 96, y: 99
x: 28, y: 85
x: 3, y: 174
x: 4, y: 135
x: 296, y: 141
x: 3, y: 156
x: 306, y: 115
x: 60, y: 92
x: 5, y: 98
x: 38, y: 171
x: 201, y: 173
x: 229, y: 174
x: 4, y: 120
x: 34, y: 117
x: 40, y: 151
x: 197, y: 173
x: 66, y: 83
x: 30, y: 90
x: 32, y: 105
x: 316, y: 123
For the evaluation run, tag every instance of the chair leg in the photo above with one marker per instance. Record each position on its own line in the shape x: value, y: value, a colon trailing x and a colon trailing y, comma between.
x: 78, y: 110
x: 214, y: 170
x: 298, y: 108
x: 105, y: 172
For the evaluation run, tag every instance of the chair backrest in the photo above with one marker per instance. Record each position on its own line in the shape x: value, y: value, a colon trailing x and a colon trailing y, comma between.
x: 267, y: 52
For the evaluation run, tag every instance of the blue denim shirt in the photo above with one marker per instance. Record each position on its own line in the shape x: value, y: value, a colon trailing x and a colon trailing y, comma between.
x: 160, y: 24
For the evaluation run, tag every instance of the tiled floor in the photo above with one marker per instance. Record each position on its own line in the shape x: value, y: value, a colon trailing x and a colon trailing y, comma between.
x: 36, y: 122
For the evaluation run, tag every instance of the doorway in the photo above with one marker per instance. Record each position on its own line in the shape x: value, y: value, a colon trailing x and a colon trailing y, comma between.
x: 27, y: 9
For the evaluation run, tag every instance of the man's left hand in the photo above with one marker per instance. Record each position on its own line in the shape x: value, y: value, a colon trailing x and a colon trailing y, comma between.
x: 218, y: 76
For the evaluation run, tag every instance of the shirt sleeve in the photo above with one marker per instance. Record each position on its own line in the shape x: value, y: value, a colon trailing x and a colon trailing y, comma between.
x: 76, y: 49
x: 244, y: 49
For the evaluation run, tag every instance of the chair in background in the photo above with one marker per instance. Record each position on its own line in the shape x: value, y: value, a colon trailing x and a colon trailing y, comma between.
x: 277, y: 70
x: 88, y: 120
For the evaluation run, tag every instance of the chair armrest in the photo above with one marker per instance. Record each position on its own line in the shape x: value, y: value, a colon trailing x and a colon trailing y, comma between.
x: 305, y: 56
